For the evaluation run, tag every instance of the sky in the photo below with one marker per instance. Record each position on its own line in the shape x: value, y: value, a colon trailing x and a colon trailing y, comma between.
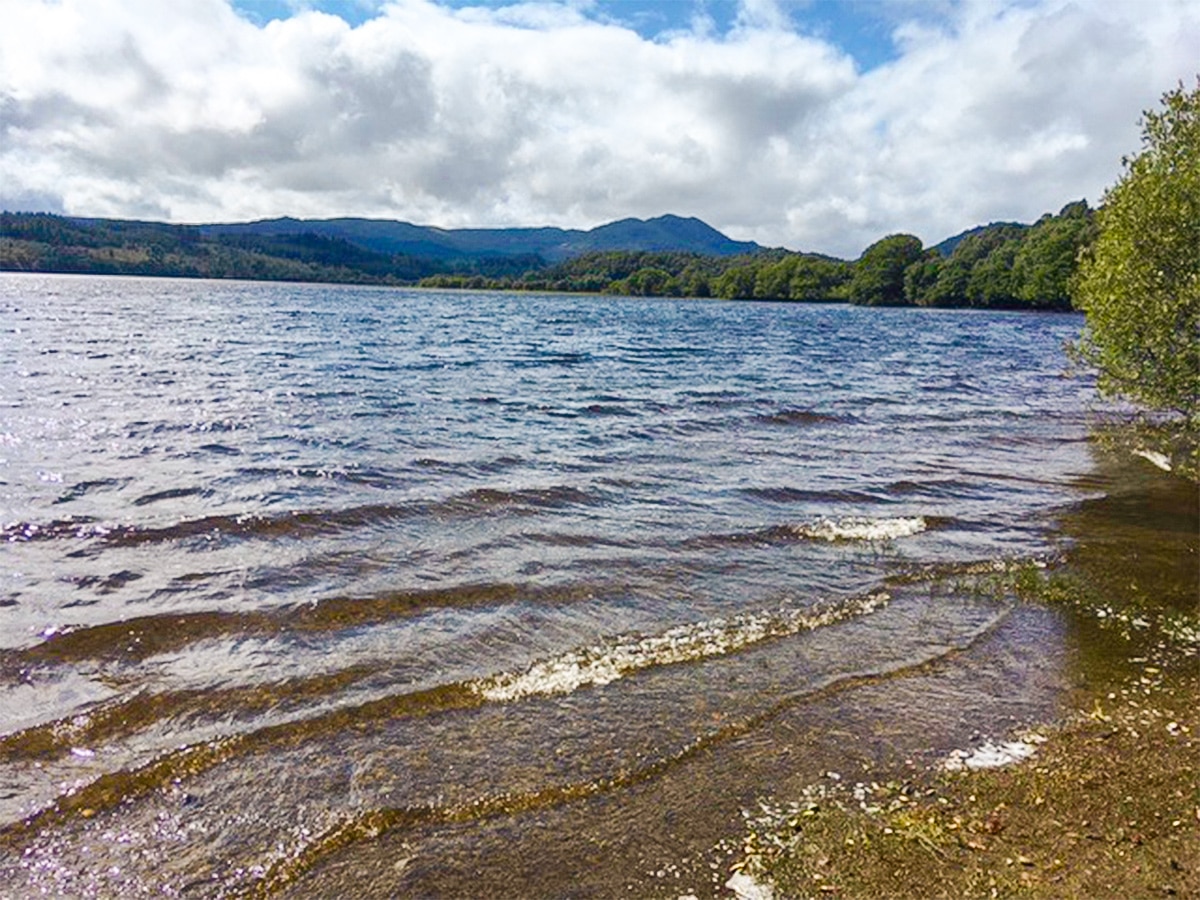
x: 816, y: 125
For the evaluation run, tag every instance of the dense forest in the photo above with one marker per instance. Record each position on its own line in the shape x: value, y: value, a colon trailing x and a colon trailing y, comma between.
x: 1003, y: 265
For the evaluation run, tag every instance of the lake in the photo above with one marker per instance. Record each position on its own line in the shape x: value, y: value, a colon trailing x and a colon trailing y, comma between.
x: 310, y: 590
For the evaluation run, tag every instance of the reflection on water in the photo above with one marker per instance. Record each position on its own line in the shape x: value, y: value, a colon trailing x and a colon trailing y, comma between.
x: 318, y: 591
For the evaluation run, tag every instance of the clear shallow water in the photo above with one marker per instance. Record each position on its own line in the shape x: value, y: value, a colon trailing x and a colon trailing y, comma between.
x: 304, y: 587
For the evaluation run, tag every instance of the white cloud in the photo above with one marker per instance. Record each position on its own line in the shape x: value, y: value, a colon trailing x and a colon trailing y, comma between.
x: 541, y: 113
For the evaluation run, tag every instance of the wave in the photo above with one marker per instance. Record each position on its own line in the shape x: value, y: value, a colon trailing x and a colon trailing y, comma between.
x: 142, y: 637
x: 298, y: 523
x: 850, y: 529
x: 293, y: 862
x: 366, y: 476
x: 604, y: 663
x: 119, y: 788
x: 576, y: 669
x: 861, y: 529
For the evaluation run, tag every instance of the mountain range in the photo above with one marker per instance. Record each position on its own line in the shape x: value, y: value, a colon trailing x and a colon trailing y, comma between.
x: 664, y: 233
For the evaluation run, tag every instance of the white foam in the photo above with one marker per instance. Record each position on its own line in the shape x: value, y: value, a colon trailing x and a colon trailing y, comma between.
x: 1155, y: 458
x: 746, y: 887
x: 605, y: 663
x: 992, y: 756
x: 862, y: 529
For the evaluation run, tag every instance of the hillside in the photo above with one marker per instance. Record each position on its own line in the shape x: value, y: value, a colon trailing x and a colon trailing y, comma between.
x: 665, y: 233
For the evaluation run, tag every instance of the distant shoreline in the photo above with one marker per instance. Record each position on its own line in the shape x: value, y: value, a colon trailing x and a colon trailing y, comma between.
x: 998, y: 266
x: 517, y: 291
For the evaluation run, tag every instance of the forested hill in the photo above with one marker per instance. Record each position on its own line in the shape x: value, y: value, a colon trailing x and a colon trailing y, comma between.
x: 1002, y: 265
x: 665, y: 233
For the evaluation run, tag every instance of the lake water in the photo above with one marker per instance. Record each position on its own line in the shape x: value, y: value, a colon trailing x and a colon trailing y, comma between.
x: 320, y: 591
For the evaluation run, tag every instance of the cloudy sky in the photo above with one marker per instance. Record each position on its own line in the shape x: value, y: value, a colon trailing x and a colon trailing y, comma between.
x: 811, y: 124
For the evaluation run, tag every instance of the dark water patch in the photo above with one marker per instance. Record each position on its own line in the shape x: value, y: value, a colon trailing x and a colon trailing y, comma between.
x: 947, y: 488
x: 800, y: 417
x: 171, y: 494
x: 1137, y: 545
x: 104, y: 584
x: 294, y: 525
x: 220, y: 449
x: 432, y: 464
x: 1020, y: 477
x: 83, y: 603
x: 602, y: 410
x: 550, y: 359
x: 84, y: 488
x: 805, y: 495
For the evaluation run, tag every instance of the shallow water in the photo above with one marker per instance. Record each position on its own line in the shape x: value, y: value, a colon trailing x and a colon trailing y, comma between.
x: 448, y: 594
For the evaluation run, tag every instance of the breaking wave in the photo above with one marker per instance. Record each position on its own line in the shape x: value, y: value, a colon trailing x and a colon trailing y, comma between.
x: 861, y: 529
x: 604, y: 663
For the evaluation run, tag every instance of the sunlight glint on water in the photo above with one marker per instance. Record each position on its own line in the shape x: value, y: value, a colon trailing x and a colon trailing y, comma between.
x: 457, y: 548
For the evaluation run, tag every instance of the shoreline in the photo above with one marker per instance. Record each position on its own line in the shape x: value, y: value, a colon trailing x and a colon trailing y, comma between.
x: 1103, y: 802
x: 532, y: 291
x: 1109, y: 806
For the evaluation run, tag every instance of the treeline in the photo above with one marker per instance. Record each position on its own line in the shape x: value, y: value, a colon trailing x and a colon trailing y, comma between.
x: 39, y: 242
x: 1004, y: 266
x: 1000, y: 266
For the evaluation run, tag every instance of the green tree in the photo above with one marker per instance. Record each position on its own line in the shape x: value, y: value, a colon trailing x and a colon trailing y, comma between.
x: 816, y: 279
x: 1048, y: 256
x: 648, y: 282
x: 736, y: 283
x: 773, y: 281
x: 878, y: 278
x: 921, y: 276
x: 1140, y: 283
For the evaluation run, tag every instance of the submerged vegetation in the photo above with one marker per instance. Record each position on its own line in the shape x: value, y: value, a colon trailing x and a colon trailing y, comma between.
x: 999, y: 266
x: 1100, y: 811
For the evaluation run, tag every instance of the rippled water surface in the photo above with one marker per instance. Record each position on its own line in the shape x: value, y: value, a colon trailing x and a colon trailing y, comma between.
x: 307, y: 590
